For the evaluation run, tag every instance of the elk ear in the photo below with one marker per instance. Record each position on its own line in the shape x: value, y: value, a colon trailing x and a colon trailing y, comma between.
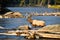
x: 29, y: 19
x: 12, y: 12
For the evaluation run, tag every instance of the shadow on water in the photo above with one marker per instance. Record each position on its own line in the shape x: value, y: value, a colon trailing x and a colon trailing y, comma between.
x: 4, y: 10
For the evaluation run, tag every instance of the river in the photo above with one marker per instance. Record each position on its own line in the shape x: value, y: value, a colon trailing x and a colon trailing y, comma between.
x: 15, y: 22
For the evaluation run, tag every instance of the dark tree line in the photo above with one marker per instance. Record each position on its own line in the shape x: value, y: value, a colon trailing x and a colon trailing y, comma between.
x: 10, y: 3
x: 14, y: 3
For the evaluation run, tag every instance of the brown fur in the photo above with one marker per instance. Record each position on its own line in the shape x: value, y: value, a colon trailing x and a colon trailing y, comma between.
x: 30, y: 20
x: 37, y: 21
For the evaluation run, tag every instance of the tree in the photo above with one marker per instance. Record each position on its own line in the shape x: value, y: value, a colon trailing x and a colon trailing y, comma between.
x: 57, y: 1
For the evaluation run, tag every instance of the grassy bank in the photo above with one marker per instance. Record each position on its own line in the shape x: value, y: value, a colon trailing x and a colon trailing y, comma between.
x: 54, y: 6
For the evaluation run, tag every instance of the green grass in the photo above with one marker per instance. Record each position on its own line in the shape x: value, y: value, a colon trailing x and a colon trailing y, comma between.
x: 55, y: 6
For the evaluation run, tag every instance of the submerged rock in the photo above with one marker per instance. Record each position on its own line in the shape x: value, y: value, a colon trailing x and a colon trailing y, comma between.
x: 1, y: 27
x: 24, y: 27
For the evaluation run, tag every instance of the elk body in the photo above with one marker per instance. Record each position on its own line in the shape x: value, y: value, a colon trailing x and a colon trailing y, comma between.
x: 40, y: 23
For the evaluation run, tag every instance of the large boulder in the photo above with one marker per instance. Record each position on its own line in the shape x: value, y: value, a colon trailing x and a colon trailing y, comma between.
x: 17, y: 14
x: 51, y: 28
x: 51, y: 31
x: 13, y: 15
x: 7, y: 15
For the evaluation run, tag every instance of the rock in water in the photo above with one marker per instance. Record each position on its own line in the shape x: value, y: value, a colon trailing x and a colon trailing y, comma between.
x: 1, y: 27
x: 24, y: 27
x: 51, y: 28
x: 13, y: 15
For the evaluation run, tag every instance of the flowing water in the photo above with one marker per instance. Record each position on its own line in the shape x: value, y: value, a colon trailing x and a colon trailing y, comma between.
x: 15, y: 22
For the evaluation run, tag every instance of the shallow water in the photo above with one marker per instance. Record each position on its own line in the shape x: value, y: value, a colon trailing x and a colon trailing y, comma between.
x: 33, y: 9
x: 22, y: 38
x: 16, y: 22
